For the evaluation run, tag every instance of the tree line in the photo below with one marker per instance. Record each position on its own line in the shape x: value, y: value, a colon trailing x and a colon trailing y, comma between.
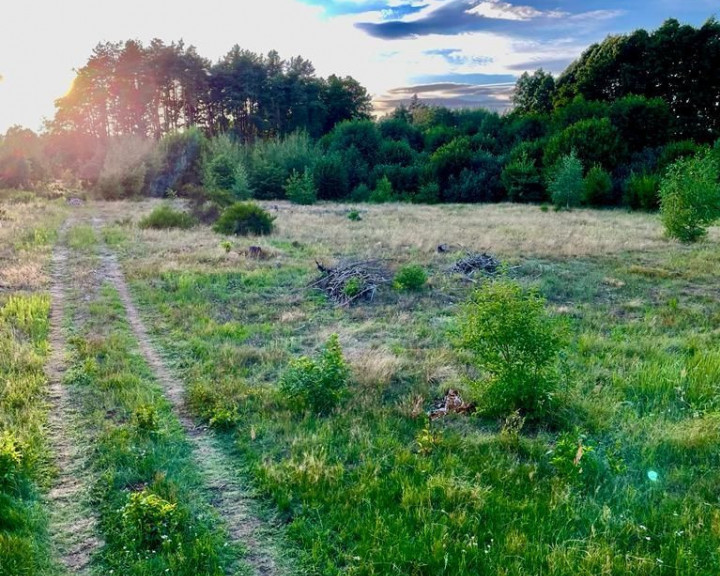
x: 603, y: 133
x: 131, y: 89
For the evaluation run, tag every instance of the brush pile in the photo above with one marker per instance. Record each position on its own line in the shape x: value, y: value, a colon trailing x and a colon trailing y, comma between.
x: 349, y: 282
x: 471, y: 263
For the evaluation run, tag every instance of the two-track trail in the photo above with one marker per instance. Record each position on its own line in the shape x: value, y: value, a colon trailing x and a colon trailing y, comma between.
x: 73, y: 525
x: 230, y: 497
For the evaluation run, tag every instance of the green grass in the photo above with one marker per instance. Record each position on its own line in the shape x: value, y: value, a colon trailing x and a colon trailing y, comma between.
x: 26, y: 469
x: 372, y: 489
x: 153, y: 515
x: 81, y: 237
x: 24, y: 460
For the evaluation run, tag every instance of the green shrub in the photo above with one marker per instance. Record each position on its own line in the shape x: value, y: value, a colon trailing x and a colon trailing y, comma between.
x: 522, y: 181
x: 361, y: 193
x: 411, y: 278
x: 566, y: 185
x: 165, y: 217
x: 149, y: 518
x: 642, y: 191
x: 178, y: 163
x: 244, y: 218
x: 574, y: 458
x: 10, y: 458
x: 224, y: 173
x: 690, y: 197
x: 429, y: 193
x: 317, y: 383
x: 353, y: 287
x: 146, y: 419
x: 383, y: 191
x: 331, y: 177
x: 300, y: 189
x: 597, y: 187
x: 354, y: 216
x: 515, y: 343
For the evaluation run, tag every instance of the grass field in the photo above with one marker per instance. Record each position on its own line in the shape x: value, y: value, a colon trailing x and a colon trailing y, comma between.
x: 373, y: 487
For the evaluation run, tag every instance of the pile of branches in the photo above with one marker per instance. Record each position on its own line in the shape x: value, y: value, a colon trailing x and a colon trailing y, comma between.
x: 471, y: 263
x: 350, y: 282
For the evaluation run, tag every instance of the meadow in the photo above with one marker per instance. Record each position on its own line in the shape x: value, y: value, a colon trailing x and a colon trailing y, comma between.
x: 621, y: 478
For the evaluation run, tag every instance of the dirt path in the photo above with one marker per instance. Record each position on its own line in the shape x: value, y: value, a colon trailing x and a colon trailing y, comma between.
x: 72, y: 525
x: 230, y: 497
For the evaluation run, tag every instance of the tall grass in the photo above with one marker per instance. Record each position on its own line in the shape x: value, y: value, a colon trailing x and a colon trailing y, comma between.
x: 626, y: 487
x: 24, y: 458
x: 153, y: 516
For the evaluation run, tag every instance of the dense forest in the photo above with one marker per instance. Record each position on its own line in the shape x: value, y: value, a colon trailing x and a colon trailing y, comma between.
x: 160, y: 119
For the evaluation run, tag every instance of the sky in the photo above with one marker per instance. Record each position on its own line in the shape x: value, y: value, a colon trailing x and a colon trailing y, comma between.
x: 460, y: 53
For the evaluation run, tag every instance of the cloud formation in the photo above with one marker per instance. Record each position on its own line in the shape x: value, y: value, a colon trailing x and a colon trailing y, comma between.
x: 455, y: 17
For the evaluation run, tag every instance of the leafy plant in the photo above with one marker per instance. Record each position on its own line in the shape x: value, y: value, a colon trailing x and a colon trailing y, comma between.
x: 522, y: 181
x: 690, y: 197
x: 574, y: 458
x: 383, y: 191
x: 354, y: 216
x: 642, y: 191
x: 165, y: 217
x: 146, y: 419
x: 411, y: 278
x: 515, y: 343
x: 244, y: 218
x: 317, y: 383
x: 150, y: 518
x: 597, y: 187
x: 10, y: 457
x: 300, y: 188
x: 428, y: 439
x: 353, y: 287
x: 566, y: 184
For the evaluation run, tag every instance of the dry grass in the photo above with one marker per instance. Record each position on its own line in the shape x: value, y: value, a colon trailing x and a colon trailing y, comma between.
x: 508, y: 230
x: 26, y: 235
x: 505, y: 229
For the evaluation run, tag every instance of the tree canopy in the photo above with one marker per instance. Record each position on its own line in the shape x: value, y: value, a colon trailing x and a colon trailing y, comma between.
x: 128, y: 88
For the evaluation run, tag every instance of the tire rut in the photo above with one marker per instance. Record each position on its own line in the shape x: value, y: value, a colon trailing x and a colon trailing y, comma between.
x: 228, y: 495
x: 72, y: 526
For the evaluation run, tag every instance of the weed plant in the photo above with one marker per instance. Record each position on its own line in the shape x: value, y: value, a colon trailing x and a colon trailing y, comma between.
x: 165, y: 217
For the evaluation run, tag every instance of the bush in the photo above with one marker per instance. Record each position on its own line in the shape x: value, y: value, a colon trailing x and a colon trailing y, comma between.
x: 566, y: 186
x: 522, y: 182
x: 411, y: 278
x: 354, y: 216
x: 515, y: 343
x: 383, y: 191
x: 179, y: 162
x: 317, y: 383
x: 125, y: 168
x: 271, y: 163
x: 165, y: 217
x: 597, y: 187
x: 150, y: 518
x: 300, y: 189
x: 10, y: 458
x: 224, y: 174
x: 642, y: 191
x: 243, y: 218
x: 690, y: 197
x: 429, y: 193
x: 331, y: 177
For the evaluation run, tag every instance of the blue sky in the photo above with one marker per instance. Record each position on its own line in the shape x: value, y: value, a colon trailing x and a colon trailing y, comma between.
x: 454, y: 52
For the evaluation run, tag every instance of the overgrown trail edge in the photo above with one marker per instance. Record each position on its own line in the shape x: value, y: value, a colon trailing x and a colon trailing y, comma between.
x: 72, y: 524
x: 229, y: 497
